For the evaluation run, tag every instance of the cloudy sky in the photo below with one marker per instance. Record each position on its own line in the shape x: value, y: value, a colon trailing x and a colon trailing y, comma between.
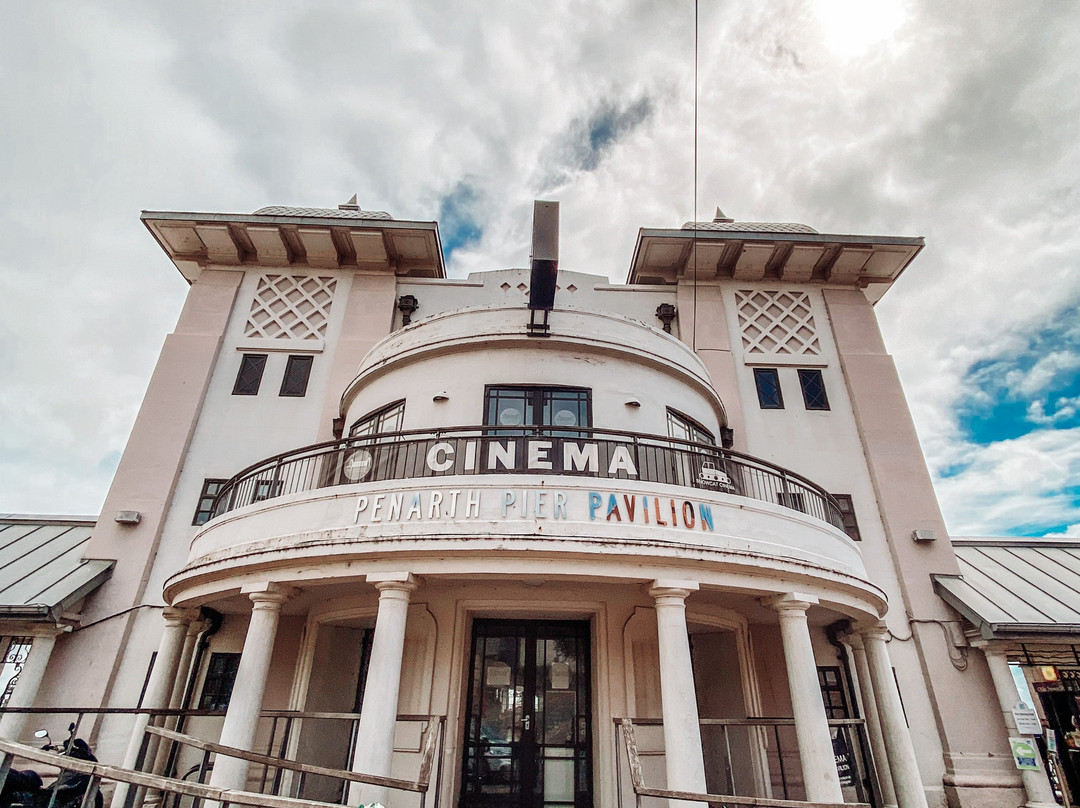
x: 955, y: 121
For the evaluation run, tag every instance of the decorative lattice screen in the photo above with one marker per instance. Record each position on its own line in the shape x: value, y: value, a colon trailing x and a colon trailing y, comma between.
x: 290, y: 307
x: 777, y: 323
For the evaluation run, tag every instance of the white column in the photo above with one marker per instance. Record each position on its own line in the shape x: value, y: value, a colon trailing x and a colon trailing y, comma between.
x: 378, y: 714
x: 811, y: 724
x: 26, y: 688
x: 873, y: 721
x: 1036, y: 783
x: 245, y: 704
x: 683, y: 758
x: 905, y: 769
x: 158, y: 689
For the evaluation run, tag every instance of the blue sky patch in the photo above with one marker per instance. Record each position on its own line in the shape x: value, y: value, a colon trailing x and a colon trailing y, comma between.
x: 459, y: 218
x: 1036, y: 388
x: 605, y: 126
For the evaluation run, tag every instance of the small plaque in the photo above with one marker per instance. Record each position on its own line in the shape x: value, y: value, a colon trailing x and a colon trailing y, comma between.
x: 560, y: 676
x: 1027, y: 720
x: 497, y: 675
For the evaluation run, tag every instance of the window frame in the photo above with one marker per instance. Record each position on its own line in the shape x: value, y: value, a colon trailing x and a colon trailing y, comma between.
x: 809, y: 375
x: 847, y: 515
x: 536, y: 396
x: 764, y: 373
x: 692, y: 426
x: 299, y: 389
x: 205, y: 494
x: 377, y: 417
x: 223, y: 680
x: 251, y: 388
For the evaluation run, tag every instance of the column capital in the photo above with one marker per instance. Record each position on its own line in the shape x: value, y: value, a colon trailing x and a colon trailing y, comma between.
x: 399, y: 581
x: 179, y: 617
x: 990, y: 647
x: 854, y: 641
x: 790, y: 602
x: 269, y: 595
x: 874, y: 631
x: 672, y: 588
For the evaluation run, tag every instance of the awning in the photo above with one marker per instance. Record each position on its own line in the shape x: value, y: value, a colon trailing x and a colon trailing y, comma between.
x: 42, y: 570
x: 1014, y: 587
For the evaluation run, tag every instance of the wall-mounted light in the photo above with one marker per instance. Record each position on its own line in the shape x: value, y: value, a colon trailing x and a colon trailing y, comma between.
x: 1049, y: 673
x: 633, y: 403
x: 440, y: 396
x: 407, y: 304
x: 666, y: 312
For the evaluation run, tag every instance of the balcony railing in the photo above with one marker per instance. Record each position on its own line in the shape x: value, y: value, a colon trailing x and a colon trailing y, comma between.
x: 595, y: 453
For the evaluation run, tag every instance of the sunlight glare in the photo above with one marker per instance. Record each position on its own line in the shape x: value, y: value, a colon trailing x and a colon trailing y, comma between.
x: 852, y: 27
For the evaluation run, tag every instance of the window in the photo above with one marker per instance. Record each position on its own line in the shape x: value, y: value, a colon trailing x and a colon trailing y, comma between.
x: 683, y: 428
x: 11, y: 665
x: 832, y: 691
x: 249, y: 377
x: 387, y: 419
x: 220, y: 678
x: 265, y: 489
x: 847, y: 513
x: 211, y: 487
x: 769, y: 396
x: 813, y: 389
x: 297, y: 371
x: 517, y: 407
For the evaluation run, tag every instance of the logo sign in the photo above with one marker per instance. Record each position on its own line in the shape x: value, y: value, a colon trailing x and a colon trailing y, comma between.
x: 357, y: 465
x: 1024, y: 755
x: 713, y: 478
x: 1027, y: 720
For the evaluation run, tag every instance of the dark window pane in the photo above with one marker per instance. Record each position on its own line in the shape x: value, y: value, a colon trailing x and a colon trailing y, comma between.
x: 250, y: 375
x: 768, y: 388
x: 296, y: 376
x: 847, y: 513
x: 220, y: 677
x: 210, y: 489
x: 813, y: 390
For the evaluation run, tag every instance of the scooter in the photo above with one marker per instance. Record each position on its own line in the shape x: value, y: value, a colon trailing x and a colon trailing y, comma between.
x: 25, y: 789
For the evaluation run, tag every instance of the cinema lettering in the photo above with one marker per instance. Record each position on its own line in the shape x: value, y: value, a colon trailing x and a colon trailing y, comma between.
x: 532, y: 503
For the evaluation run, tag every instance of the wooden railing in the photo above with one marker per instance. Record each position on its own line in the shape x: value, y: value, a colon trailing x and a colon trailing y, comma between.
x: 626, y: 728
x: 99, y: 772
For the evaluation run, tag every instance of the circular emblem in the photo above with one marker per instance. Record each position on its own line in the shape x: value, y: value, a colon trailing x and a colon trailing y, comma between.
x: 510, y: 416
x: 357, y: 465
x: 565, y: 418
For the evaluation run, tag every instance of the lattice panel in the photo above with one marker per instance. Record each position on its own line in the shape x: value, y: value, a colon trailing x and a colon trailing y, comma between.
x: 291, y: 307
x: 777, y: 323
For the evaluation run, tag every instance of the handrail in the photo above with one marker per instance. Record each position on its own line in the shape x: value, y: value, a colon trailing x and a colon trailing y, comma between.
x: 406, y: 454
x: 637, y: 779
x: 419, y: 785
x: 101, y: 771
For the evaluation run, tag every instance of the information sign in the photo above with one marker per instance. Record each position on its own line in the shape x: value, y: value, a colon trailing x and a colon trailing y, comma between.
x: 1024, y: 754
x: 1027, y: 720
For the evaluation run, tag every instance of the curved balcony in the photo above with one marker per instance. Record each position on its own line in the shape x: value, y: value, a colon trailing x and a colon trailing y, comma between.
x: 591, y: 453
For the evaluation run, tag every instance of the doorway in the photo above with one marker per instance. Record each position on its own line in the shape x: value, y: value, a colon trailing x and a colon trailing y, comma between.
x: 528, y: 728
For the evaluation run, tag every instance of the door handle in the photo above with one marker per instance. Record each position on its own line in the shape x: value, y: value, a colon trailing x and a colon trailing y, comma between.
x: 527, y: 719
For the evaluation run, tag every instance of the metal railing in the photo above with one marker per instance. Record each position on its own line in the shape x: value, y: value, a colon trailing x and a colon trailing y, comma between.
x: 590, y: 453
x: 750, y: 762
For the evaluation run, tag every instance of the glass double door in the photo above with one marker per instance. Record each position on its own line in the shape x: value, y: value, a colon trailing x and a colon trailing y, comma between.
x: 528, y: 734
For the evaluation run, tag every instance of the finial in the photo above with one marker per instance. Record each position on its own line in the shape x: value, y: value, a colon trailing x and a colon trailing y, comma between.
x: 352, y: 204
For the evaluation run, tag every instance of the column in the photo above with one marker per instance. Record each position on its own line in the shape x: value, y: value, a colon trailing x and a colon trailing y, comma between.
x: 683, y: 758
x: 26, y: 688
x: 242, y: 716
x: 811, y: 724
x: 1036, y: 784
x: 873, y: 721
x: 907, y: 781
x: 378, y: 714
x: 158, y: 689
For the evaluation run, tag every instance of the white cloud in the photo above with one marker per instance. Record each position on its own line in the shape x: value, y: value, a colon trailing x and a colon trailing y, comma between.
x: 954, y: 122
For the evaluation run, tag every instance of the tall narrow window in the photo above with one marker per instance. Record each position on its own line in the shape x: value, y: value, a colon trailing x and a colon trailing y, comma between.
x: 847, y: 513
x: 297, y: 371
x: 205, y: 510
x: 767, y: 381
x: 220, y: 678
x: 249, y: 377
x: 813, y: 389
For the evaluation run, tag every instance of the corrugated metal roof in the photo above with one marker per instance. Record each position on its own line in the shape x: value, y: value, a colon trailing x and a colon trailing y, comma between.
x: 322, y: 213
x: 1016, y: 586
x: 751, y: 227
x: 42, y: 570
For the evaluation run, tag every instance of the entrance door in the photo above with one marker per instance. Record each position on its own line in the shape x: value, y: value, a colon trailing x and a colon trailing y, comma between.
x: 528, y: 736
